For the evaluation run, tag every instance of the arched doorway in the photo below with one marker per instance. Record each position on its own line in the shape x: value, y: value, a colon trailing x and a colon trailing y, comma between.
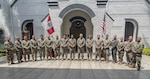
x: 75, y: 10
x: 72, y: 22
x: 131, y: 29
x: 28, y: 25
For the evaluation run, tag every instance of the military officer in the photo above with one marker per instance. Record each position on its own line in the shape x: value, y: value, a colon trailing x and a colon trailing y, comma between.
x: 48, y: 44
x: 81, y: 44
x: 120, y: 49
x: 8, y: 45
x: 72, y: 45
x: 128, y: 50
x: 106, y: 48
x: 41, y: 46
x: 56, y: 43
x: 89, y: 46
x: 26, y: 48
x: 19, y: 50
x: 64, y: 45
x: 137, y: 51
x: 114, y: 44
x: 34, y: 45
x: 99, y: 47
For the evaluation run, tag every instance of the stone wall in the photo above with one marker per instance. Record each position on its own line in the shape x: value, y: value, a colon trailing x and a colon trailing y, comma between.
x: 130, y: 9
x: 34, y: 10
x: 119, y: 10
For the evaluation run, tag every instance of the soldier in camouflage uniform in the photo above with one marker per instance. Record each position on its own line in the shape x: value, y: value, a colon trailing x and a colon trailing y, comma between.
x: 64, y: 45
x: 19, y: 50
x: 120, y: 49
x: 57, y: 47
x: 114, y: 44
x: 81, y: 44
x: 8, y: 45
x: 128, y: 49
x: 72, y: 45
x: 34, y: 45
x: 26, y: 48
x: 48, y: 44
x: 89, y: 46
x: 137, y: 52
x: 41, y: 46
x: 99, y: 47
x: 106, y: 43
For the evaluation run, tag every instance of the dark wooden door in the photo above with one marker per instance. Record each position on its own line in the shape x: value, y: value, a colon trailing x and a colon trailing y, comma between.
x: 129, y: 30
x: 78, y: 27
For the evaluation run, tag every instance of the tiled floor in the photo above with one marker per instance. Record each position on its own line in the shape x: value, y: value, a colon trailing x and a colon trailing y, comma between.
x: 58, y: 69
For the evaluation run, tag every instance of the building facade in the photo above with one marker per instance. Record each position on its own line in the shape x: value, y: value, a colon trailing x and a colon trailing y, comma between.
x: 123, y: 17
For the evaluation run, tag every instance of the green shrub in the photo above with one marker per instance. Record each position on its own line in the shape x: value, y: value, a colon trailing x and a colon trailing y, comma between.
x: 2, y: 51
x: 146, y: 51
x: 2, y: 54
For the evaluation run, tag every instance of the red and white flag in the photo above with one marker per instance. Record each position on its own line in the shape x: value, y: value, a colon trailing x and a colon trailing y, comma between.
x: 47, y: 24
x: 103, y: 26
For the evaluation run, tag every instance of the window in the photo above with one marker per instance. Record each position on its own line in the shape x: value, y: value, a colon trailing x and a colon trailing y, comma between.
x: 101, y: 2
x: 52, y: 3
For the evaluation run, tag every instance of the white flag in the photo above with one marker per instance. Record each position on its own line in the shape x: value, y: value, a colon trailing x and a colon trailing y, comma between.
x: 47, y: 24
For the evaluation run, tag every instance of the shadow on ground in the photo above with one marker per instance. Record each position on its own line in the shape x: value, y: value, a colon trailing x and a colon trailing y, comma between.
x: 56, y: 73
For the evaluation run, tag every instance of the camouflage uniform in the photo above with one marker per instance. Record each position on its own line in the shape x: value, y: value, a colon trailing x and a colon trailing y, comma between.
x: 120, y: 49
x: 57, y: 48
x: 19, y: 50
x: 99, y: 48
x: 41, y: 45
x: 72, y: 45
x: 64, y: 45
x: 26, y: 49
x: 48, y: 45
x: 9, y: 51
x: 81, y: 44
x: 106, y: 49
x: 129, y: 54
x: 89, y: 46
x: 34, y: 45
x: 137, y: 53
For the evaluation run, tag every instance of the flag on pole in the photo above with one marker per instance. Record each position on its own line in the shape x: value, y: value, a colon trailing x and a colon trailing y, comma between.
x: 103, y: 26
x: 47, y: 24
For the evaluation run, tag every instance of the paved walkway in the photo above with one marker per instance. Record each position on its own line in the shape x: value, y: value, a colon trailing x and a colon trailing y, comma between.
x: 58, y: 69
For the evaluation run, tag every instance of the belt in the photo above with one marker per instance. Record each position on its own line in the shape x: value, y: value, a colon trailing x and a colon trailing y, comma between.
x: 138, y: 54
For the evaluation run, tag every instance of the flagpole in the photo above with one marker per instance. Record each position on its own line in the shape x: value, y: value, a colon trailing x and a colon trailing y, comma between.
x: 106, y: 13
x: 103, y: 26
x: 106, y: 9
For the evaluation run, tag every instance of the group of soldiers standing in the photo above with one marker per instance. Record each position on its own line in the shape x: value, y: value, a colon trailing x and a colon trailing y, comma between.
x: 56, y: 48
